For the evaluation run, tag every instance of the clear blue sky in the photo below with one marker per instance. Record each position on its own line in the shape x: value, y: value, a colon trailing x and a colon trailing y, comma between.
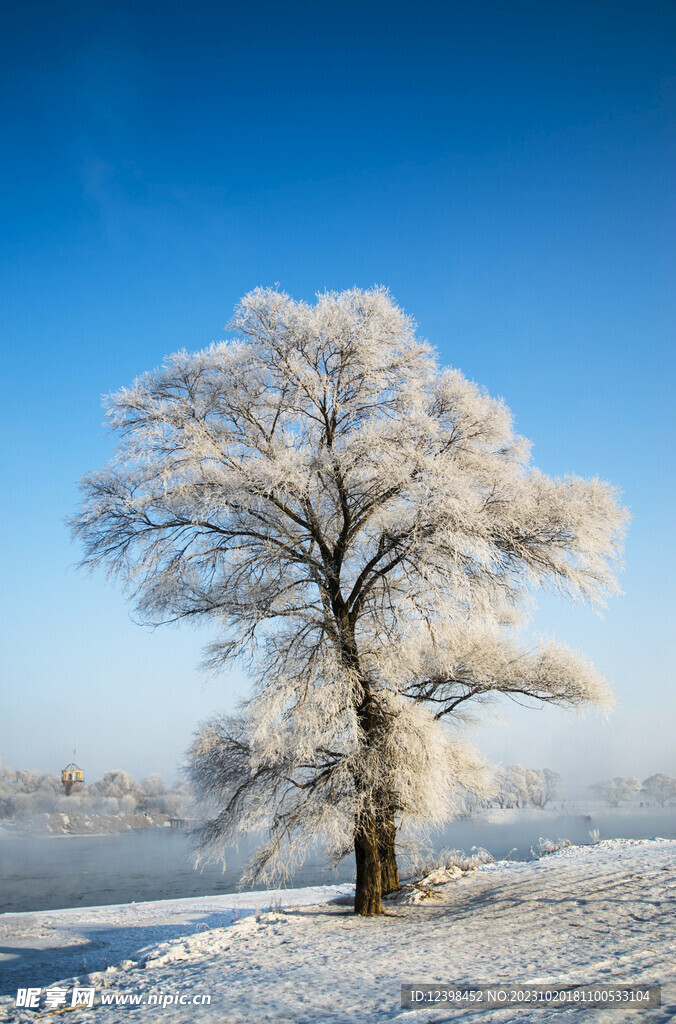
x: 504, y: 168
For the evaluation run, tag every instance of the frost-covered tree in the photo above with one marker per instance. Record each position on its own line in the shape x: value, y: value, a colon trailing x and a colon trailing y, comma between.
x: 660, y: 787
x: 617, y: 790
x: 361, y: 527
x: 550, y: 785
x: 153, y: 786
x: 518, y: 787
x: 117, y: 783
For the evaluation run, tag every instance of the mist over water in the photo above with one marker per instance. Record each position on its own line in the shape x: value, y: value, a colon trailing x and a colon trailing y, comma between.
x: 50, y: 873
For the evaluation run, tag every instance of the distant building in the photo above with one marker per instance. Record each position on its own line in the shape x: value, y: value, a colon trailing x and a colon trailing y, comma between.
x: 180, y: 823
x: 70, y: 775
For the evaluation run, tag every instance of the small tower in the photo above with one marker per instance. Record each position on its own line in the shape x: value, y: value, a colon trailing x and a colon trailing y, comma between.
x: 70, y: 775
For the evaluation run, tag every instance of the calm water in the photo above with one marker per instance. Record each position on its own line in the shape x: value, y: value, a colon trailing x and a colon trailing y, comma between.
x: 51, y: 873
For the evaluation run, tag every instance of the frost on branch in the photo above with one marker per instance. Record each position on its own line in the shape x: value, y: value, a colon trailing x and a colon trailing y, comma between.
x: 361, y: 528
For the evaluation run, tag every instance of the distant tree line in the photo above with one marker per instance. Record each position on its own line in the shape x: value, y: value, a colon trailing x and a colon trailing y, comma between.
x: 529, y: 787
x: 113, y: 802
x: 526, y: 787
x: 660, y: 787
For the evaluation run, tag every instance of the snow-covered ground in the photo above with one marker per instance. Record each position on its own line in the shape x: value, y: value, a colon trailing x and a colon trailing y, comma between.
x: 594, y: 914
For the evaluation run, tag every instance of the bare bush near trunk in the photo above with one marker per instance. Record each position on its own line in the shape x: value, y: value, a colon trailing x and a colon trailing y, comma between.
x: 361, y: 527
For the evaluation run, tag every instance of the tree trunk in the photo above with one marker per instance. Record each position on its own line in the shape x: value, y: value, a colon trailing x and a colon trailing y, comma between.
x: 386, y: 835
x: 368, y: 893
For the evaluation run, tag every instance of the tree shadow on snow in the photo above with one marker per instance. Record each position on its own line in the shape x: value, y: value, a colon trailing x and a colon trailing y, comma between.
x: 93, y: 949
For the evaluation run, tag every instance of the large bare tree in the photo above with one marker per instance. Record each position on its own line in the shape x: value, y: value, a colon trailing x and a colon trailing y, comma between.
x: 362, y: 528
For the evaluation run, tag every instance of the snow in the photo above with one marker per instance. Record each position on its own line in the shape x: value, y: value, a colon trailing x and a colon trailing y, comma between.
x: 36, y: 948
x: 594, y: 914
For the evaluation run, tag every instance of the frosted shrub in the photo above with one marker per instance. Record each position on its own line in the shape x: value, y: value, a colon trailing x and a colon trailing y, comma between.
x: 546, y: 846
x: 421, y: 866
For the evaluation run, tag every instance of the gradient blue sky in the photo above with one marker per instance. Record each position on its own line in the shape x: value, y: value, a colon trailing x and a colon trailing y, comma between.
x: 504, y: 168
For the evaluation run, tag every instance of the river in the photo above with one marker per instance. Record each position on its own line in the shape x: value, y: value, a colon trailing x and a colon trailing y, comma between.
x: 55, y: 872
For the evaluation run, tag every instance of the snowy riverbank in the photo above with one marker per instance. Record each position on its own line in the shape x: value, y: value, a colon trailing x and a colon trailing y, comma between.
x: 595, y: 914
